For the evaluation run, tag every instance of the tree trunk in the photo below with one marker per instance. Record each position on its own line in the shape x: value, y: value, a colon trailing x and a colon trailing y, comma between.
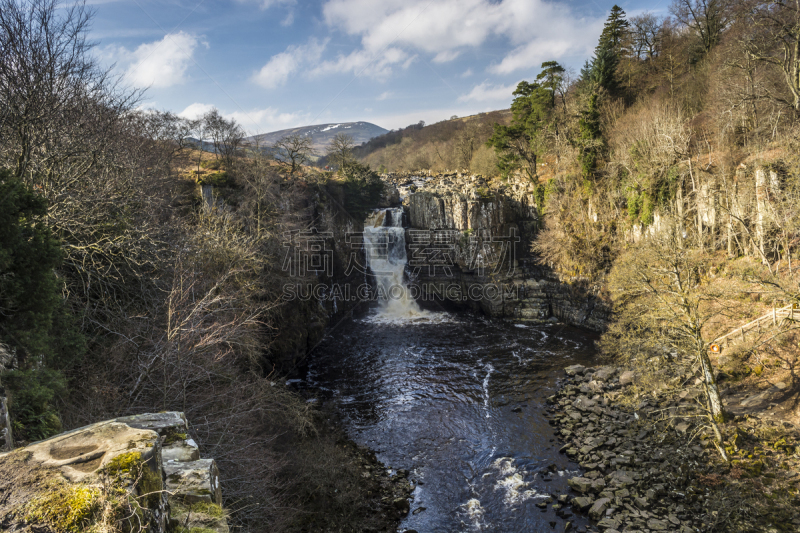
x: 714, y: 399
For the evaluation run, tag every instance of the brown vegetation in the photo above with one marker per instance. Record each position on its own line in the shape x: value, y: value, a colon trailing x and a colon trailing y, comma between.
x: 448, y: 145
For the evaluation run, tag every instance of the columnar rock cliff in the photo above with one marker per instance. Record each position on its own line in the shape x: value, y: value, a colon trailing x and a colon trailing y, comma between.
x: 479, y: 239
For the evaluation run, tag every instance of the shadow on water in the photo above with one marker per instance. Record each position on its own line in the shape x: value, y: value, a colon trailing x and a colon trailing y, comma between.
x: 459, y: 402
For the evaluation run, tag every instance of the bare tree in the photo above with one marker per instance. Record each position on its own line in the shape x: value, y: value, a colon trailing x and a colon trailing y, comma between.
x: 50, y: 86
x: 466, y: 142
x: 226, y: 135
x: 295, y: 149
x: 707, y: 18
x: 340, y: 151
x: 775, y: 39
x: 664, y: 308
x: 263, y: 186
x: 645, y: 29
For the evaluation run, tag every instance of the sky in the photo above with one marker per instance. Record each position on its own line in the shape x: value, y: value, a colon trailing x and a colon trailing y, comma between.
x: 277, y: 64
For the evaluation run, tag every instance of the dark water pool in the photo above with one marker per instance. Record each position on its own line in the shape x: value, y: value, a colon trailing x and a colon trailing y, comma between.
x: 459, y: 402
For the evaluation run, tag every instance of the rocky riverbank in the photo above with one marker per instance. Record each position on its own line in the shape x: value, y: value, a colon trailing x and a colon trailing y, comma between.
x: 649, y: 462
x: 349, y: 490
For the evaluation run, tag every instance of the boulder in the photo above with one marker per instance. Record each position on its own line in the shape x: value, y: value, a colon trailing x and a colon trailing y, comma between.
x: 574, y: 369
x: 169, y: 424
x: 657, y: 525
x: 607, y: 524
x: 194, y: 481
x: 81, y: 453
x: 604, y: 374
x: 180, y: 451
x: 63, y: 479
x: 580, y: 484
x: 598, y: 509
x: 627, y: 377
x: 582, y: 502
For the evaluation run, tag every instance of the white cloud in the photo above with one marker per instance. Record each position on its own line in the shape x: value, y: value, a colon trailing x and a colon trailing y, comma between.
x: 280, y: 66
x: 489, y: 93
x: 445, y: 56
x: 289, y: 5
x: 537, y: 30
x: 195, y: 111
x: 467, y: 73
x: 266, y: 4
x: 268, y: 119
x: 363, y: 62
x: 158, y: 64
x: 384, y: 95
x: 254, y: 120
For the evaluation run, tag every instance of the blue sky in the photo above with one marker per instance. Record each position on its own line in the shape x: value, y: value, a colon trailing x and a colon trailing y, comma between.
x: 275, y: 64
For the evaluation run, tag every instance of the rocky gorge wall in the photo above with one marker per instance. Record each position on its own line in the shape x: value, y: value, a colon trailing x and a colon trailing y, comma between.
x: 317, y: 260
x: 469, y: 245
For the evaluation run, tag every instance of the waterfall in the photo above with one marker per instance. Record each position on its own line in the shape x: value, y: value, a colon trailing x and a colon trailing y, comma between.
x: 385, y: 247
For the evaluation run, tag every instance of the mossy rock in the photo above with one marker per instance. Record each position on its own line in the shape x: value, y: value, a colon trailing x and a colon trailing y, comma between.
x: 131, y: 467
x: 216, y: 179
x: 199, y: 516
x: 65, y: 507
x: 173, y: 437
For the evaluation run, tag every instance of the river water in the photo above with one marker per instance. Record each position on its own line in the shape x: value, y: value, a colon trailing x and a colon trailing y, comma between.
x: 455, y: 399
x: 458, y: 401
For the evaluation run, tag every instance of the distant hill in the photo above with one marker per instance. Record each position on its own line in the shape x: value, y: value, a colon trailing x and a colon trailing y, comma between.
x: 458, y: 143
x: 323, y: 134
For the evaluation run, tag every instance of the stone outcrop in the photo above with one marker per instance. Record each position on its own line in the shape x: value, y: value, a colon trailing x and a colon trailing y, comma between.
x: 481, y: 236
x: 6, y: 437
x: 139, y: 473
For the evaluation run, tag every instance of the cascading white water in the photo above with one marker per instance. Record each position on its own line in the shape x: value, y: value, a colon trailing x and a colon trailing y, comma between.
x: 385, y: 247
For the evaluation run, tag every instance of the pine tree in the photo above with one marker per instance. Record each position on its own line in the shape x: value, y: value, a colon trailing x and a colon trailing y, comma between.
x: 517, y: 144
x: 614, y: 31
x: 591, y: 138
x: 602, y: 70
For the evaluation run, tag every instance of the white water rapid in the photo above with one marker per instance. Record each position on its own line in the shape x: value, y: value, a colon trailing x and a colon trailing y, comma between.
x: 385, y: 249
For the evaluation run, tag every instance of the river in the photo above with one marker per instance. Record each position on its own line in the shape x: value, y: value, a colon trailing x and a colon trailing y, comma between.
x: 455, y: 399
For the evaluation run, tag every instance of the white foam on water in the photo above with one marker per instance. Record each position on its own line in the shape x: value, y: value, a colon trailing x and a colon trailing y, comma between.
x: 513, y: 486
x: 505, y: 465
x: 380, y: 318
x: 511, y: 481
x: 489, y: 370
x: 474, y: 512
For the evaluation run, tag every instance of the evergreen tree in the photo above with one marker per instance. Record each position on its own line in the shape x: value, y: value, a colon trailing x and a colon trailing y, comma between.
x: 551, y: 77
x: 591, y: 138
x: 517, y: 145
x: 33, y: 321
x: 602, y: 70
x: 614, y: 31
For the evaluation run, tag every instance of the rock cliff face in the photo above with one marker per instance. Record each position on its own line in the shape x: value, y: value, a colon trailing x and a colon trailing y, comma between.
x: 469, y: 245
x: 139, y: 473
x: 309, y: 305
